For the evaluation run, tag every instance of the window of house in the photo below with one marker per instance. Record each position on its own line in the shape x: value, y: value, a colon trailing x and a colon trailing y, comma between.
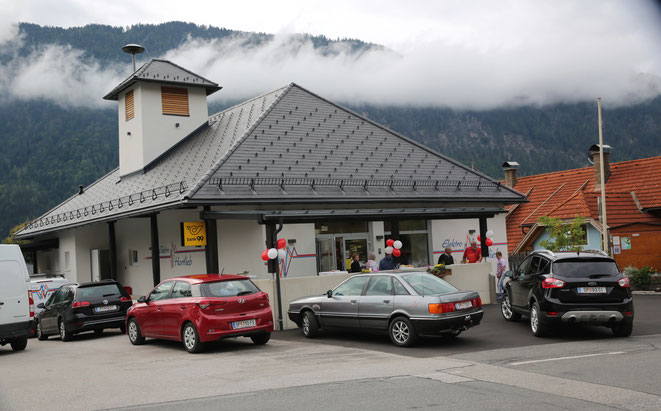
x: 67, y: 261
x: 130, y: 107
x: 174, y: 101
x: 133, y: 257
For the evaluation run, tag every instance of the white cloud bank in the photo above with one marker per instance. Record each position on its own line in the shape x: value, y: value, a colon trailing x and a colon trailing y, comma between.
x: 519, y: 54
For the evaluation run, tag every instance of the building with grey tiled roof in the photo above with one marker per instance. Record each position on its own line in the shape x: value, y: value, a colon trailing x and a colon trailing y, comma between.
x: 337, y: 182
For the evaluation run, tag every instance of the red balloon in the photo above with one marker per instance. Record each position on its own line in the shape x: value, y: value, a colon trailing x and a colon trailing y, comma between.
x: 390, y: 242
x: 282, y: 243
x: 396, y: 252
x: 479, y: 238
x: 489, y: 242
x: 265, y: 255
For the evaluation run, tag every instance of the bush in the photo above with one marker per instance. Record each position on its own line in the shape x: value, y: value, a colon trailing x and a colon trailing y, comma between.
x: 640, y: 279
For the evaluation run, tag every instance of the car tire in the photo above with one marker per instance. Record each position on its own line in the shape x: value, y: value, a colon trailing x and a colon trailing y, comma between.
x: 538, y: 327
x: 309, y: 325
x: 623, y: 328
x: 401, y: 332
x: 134, y: 333
x: 122, y: 329
x: 64, y: 334
x: 261, y: 339
x: 40, y: 334
x: 506, y: 309
x: 19, y: 344
x: 191, y: 338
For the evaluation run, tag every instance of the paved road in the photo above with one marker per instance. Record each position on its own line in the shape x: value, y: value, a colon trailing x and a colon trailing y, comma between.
x: 497, y: 365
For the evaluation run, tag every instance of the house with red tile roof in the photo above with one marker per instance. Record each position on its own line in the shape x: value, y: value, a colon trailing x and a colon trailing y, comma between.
x: 633, y: 207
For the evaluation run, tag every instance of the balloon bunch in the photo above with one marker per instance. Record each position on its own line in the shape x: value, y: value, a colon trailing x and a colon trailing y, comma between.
x: 394, y: 247
x: 273, y: 253
x: 488, y: 241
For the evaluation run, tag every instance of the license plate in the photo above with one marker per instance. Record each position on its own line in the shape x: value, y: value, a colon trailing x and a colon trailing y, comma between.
x: 244, y: 324
x: 105, y: 308
x: 463, y: 305
x: 592, y: 290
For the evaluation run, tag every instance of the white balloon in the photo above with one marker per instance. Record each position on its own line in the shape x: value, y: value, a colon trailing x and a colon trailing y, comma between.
x: 272, y: 253
x: 398, y: 244
x: 388, y: 250
x: 282, y: 253
x: 490, y: 234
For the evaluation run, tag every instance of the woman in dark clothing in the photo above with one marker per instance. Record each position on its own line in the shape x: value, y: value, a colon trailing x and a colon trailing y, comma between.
x: 355, y: 265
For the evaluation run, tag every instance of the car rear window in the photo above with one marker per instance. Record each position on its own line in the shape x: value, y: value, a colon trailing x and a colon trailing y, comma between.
x: 584, y: 268
x: 427, y: 284
x: 228, y: 288
x: 97, y: 291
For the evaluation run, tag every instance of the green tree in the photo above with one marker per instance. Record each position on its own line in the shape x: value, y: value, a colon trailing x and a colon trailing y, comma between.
x: 563, y: 236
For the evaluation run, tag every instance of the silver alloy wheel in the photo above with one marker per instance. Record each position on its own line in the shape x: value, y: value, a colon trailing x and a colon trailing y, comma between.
x: 306, y: 325
x: 534, y: 318
x: 189, y: 337
x: 62, y: 331
x: 133, y: 331
x: 506, y: 307
x: 400, y: 332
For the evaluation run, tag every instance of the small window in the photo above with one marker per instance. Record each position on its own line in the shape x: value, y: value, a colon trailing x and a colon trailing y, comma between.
x: 379, y: 285
x: 399, y: 288
x: 229, y: 288
x: 67, y: 261
x: 130, y: 110
x: 161, y: 292
x: 133, y: 257
x: 352, y: 286
x: 174, y: 101
x: 181, y: 290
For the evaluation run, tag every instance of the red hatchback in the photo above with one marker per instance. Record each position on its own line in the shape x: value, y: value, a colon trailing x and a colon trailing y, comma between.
x: 201, y: 308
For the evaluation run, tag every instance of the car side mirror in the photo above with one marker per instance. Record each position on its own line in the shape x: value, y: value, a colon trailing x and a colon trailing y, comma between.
x: 142, y: 299
x: 41, y: 305
x: 508, y: 273
x: 329, y: 293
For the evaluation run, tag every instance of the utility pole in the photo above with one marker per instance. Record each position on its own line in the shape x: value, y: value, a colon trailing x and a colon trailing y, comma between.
x: 604, y: 226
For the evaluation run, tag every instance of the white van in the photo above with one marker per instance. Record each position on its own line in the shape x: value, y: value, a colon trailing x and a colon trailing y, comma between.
x: 16, y: 305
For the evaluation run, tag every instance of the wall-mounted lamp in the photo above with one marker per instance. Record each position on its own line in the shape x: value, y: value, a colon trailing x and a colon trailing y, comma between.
x: 128, y: 133
x: 176, y: 124
x: 291, y: 241
x: 379, y: 237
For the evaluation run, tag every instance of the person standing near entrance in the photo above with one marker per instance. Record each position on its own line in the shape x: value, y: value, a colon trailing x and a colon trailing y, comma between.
x: 371, y: 263
x: 355, y: 264
x: 446, y: 258
x: 387, y: 263
x: 473, y: 254
x: 500, y: 273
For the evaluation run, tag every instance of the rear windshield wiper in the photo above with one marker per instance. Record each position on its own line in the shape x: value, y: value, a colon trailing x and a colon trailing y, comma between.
x: 599, y: 275
x: 109, y: 295
x: 244, y: 292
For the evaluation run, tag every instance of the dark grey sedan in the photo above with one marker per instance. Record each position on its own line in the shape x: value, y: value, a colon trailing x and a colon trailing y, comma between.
x: 405, y: 305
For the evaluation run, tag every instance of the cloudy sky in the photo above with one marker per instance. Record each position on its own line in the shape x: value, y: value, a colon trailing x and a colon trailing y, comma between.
x: 476, y: 54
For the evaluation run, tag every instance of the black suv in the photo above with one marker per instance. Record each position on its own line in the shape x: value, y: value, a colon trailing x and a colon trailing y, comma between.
x: 569, y: 287
x: 77, y: 308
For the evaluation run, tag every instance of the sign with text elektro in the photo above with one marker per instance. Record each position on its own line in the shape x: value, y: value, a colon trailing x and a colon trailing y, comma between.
x: 194, y: 233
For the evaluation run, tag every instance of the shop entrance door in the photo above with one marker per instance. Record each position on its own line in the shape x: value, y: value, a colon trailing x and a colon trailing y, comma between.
x: 355, y: 244
x: 326, y: 260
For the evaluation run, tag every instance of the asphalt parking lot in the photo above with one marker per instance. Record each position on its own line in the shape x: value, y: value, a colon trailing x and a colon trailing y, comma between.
x: 492, y: 333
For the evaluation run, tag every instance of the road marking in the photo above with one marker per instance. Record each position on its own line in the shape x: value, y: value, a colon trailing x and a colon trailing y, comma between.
x: 565, y: 358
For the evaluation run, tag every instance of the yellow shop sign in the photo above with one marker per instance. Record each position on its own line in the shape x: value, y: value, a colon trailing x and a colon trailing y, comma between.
x: 195, y: 233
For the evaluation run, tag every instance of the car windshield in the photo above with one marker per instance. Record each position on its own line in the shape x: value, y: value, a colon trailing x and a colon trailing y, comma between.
x: 97, y: 291
x: 584, y: 268
x: 228, y: 288
x: 426, y: 284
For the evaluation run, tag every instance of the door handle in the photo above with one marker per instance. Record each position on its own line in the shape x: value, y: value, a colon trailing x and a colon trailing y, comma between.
x: 354, y: 301
x: 182, y: 307
x: 386, y: 301
x: 1, y: 303
x: 159, y: 309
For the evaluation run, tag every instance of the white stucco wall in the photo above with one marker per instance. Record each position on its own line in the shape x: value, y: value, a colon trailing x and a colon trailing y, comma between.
x: 240, y: 245
x: 301, y: 260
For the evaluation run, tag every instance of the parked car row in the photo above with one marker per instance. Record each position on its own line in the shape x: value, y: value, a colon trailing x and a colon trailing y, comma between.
x: 550, y: 288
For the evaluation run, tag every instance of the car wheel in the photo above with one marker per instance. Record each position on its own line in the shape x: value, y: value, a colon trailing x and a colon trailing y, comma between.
x: 122, y: 329
x: 135, y: 336
x: 64, y: 334
x: 19, y: 344
x: 623, y: 328
x: 261, y: 339
x: 40, y: 334
x: 310, y: 325
x: 402, y: 333
x: 98, y: 332
x: 191, y: 339
x: 506, y: 309
x: 537, y: 325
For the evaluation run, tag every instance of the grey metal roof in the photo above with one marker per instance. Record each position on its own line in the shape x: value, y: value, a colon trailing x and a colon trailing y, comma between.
x: 287, y: 146
x: 166, y: 181
x: 308, y: 149
x: 165, y: 72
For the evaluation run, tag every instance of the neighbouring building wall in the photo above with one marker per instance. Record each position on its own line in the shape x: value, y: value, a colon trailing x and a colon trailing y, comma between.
x: 87, y: 238
x: 639, y: 245
x: 301, y: 260
x: 593, y: 239
x: 240, y: 246
x: 455, y: 234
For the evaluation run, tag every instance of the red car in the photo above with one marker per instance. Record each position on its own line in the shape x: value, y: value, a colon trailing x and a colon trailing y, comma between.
x: 201, y: 308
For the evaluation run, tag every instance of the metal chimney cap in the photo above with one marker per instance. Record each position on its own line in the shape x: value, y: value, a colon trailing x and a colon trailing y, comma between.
x: 510, y: 164
x: 133, y: 49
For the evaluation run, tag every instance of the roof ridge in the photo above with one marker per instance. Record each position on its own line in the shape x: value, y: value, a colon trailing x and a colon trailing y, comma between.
x: 411, y: 141
x: 243, y: 103
x: 238, y: 142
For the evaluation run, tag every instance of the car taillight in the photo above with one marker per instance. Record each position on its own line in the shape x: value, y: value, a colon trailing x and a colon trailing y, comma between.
x: 31, y: 304
x: 125, y: 299
x: 441, y: 308
x: 477, y: 302
x: 263, y: 296
x: 78, y: 304
x: 204, y: 304
x: 552, y: 283
x: 623, y: 282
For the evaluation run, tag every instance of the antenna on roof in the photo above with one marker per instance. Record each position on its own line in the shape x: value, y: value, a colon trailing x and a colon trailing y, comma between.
x: 133, y: 49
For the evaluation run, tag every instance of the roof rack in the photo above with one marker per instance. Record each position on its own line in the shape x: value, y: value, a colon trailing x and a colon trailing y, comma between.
x: 551, y: 253
x: 598, y: 252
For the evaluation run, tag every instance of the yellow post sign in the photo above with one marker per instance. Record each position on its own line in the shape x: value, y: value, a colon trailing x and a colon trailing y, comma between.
x: 195, y: 233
